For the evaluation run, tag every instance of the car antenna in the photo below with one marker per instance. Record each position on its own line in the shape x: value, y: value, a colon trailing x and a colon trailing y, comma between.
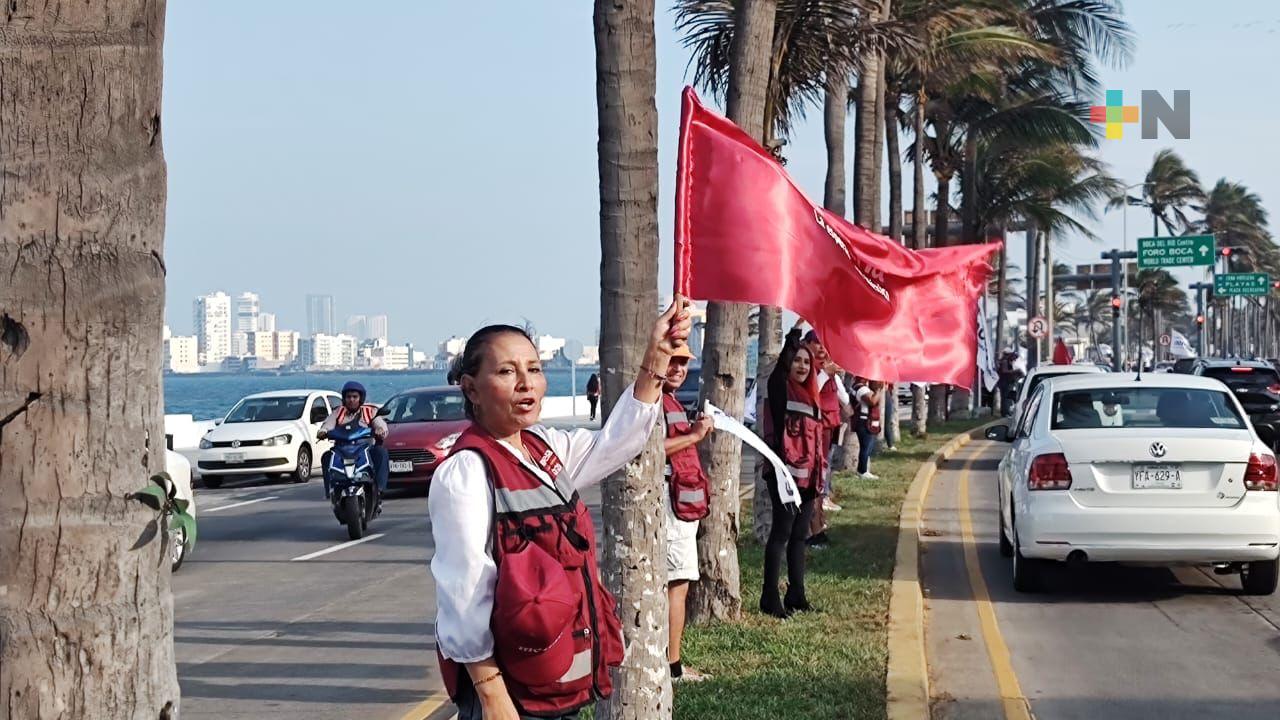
x: 1139, y: 377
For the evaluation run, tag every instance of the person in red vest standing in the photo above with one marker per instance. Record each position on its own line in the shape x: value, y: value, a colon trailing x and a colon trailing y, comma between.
x: 524, y: 626
x: 793, y: 427
x: 687, y: 503
x: 833, y: 401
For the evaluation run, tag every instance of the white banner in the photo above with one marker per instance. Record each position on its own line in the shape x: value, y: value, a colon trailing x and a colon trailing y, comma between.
x: 787, y: 489
x: 1179, y: 346
x: 986, y: 354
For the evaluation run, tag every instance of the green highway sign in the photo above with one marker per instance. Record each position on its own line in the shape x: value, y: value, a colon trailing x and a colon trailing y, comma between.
x: 1241, y: 284
x: 1158, y: 252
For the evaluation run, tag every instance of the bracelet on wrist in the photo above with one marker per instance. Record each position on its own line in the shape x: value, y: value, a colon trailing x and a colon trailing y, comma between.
x: 496, y: 674
x: 655, y: 376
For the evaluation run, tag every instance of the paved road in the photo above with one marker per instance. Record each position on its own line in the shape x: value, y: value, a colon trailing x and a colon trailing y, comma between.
x: 1103, y: 643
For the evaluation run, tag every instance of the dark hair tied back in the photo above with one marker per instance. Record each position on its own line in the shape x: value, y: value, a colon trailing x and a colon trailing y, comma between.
x: 468, y: 363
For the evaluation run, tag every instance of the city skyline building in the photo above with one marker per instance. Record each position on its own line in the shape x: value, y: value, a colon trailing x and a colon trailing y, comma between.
x: 320, y: 315
x: 376, y: 327
x: 266, y: 322
x: 212, y: 322
x: 247, y: 308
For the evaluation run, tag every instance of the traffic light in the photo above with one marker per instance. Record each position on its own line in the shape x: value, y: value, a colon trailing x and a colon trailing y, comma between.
x: 1226, y: 252
x: 1275, y: 284
x: 1199, y: 319
x: 1116, y: 302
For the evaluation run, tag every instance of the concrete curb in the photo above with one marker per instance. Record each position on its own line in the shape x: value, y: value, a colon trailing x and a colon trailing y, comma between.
x: 907, y: 679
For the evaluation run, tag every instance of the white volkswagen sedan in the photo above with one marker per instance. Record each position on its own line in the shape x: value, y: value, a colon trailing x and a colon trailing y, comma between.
x: 268, y: 433
x: 1165, y: 470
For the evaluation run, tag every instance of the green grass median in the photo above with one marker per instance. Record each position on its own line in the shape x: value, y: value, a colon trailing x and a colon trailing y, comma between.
x: 824, y: 665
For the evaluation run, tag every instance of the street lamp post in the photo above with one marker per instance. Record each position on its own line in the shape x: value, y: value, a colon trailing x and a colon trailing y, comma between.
x: 1125, y: 279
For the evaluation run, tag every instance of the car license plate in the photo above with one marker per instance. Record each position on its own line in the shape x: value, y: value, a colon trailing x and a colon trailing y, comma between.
x: 233, y: 458
x: 402, y: 466
x: 1157, y: 477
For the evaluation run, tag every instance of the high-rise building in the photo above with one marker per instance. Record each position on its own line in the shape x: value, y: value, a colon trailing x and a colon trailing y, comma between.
x: 247, y: 307
x: 212, y: 321
x: 266, y: 322
x: 358, y: 327
x: 328, y: 351
x: 376, y: 327
x: 181, y: 353
x: 320, y: 315
x: 274, y: 347
x: 240, y: 344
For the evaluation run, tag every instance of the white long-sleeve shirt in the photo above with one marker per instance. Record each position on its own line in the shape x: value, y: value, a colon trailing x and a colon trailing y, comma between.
x: 461, y: 509
x: 841, y: 392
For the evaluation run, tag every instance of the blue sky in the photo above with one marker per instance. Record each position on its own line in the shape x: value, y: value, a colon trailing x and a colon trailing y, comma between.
x: 437, y: 162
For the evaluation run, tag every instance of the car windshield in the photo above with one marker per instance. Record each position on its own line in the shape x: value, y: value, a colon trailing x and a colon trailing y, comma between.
x: 267, y: 409
x: 1148, y: 407
x: 1252, y: 377
x: 1035, y: 381
x: 425, y: 407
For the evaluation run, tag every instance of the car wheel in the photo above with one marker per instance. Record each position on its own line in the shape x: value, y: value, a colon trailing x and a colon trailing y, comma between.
x: 1006, y: 547
x: 177, y: 548
x: 302, y: 472
x: 213, y: 482
x: 1259, y: 578
x: 1027, y: 572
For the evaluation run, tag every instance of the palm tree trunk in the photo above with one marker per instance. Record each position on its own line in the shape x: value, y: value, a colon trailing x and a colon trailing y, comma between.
x: 877, y: 157
x: 1001, y: 290
x: 942, y: 213
x: 919, y: 215
x: 634, y: 565
x: 969, y: 191
x: 86, y: 618
x: 835, y: 112
x: 718, y: 595
x: 868, y: 142
x: 1049, y: 307
x: 892, y: 139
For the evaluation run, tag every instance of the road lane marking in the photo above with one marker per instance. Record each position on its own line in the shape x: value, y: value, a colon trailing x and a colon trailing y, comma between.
x: 1011, y: 698
x: 336, y: 548
x: 206, y: 511
x: 431, y: 708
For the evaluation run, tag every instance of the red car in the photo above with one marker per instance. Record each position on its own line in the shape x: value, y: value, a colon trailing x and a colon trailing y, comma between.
x: 424, y: 423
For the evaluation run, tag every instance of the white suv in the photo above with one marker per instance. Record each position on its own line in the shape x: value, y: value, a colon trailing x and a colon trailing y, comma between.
x: 1042, y: 373
x: 268, y: 433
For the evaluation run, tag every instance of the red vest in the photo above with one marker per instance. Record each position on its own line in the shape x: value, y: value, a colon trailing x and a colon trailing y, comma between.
x: 804, y: 442
x: 686, y: 480
x: 830, y: 401
x: 527, y: 510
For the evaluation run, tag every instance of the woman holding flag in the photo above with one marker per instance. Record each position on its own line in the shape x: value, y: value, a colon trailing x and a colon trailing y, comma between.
x: 794, y: 429
x: 524, y: 626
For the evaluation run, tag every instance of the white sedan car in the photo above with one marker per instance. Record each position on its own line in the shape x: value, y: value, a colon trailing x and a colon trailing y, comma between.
x: 268, y: 433
x: 1165, y: 470
x: 1045, y: 372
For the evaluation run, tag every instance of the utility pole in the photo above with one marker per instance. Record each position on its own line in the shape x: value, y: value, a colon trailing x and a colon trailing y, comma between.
x: 1201, y: 289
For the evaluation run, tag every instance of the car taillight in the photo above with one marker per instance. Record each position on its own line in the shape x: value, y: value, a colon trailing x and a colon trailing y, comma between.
x: 1050, y: 472
x: 1274, y: 387
x: 1261, y: 473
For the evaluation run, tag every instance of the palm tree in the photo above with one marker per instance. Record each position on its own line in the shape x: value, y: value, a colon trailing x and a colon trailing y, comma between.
x: 87, y: 611
x: 626, y: 78
x: 1170, y: 187
x: 1236, y: 217
x: 739, y: 57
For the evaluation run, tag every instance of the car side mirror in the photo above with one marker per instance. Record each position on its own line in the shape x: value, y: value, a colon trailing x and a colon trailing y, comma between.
x: 999, y: 433
x: 217, y: 422
x: 383, y: 411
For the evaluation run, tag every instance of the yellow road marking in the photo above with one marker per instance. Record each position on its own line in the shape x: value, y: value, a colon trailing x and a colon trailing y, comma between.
x: 427, y: 708
x: 1011, y: 698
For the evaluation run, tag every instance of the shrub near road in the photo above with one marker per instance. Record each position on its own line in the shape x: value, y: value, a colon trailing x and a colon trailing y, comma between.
x: 824, y: 665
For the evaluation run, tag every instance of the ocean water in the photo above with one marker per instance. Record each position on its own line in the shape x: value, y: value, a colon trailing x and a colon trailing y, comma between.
x: 210, y: 396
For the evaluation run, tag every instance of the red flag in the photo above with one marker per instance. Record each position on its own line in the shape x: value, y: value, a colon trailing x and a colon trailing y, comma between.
x: 1061, y: 353
x: 746, y: 233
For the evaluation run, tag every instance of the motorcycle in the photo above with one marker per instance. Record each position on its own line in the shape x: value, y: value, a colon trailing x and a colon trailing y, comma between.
x: 350, y: 479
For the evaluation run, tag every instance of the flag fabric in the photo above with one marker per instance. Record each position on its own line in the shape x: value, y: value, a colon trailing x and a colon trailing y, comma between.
x: 986, y: 354
x: 745, y: 233
x: 1179, y: 346
x: 1061, y: 353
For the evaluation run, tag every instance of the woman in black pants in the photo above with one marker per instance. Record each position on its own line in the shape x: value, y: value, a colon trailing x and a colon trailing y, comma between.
x: 794, y: 430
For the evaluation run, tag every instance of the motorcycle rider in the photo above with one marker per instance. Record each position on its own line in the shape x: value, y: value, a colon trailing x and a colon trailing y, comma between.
x: 354, y: 409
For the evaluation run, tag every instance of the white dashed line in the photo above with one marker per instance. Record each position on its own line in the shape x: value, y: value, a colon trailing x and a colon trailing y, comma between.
x: 236, y: 505
x: 336, y: 548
